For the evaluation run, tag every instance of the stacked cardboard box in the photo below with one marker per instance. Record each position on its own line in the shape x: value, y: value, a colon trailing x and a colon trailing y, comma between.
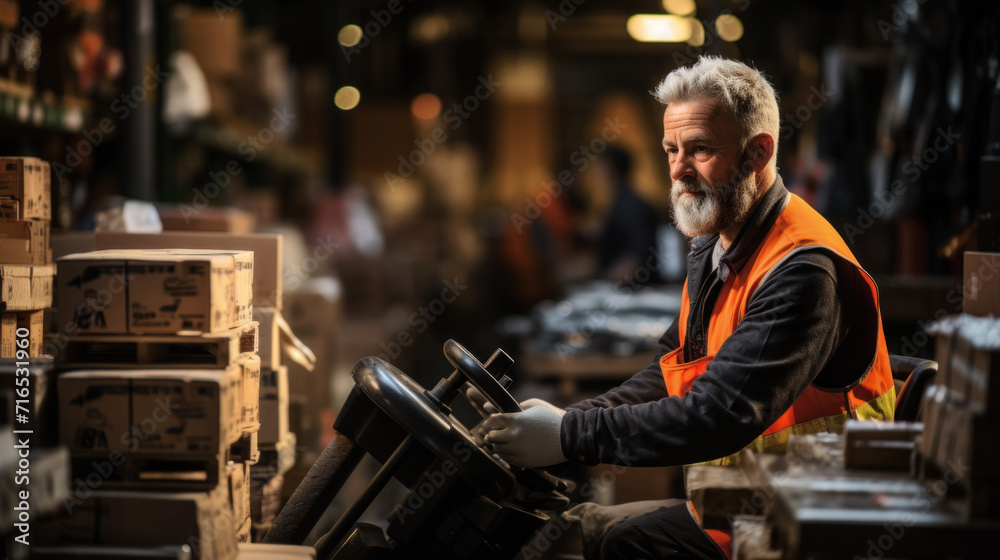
x: 276, y: 442
x: 958, y: 445
x: 25, y: 256
x: 158, y: 395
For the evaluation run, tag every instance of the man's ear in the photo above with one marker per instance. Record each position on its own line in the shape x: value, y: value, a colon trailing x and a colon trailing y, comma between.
x: 761, y: 149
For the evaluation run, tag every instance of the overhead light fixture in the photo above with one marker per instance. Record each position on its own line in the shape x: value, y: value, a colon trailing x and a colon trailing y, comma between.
x: 680, y: 7
x: 729, y: 27
x: 349, y: 35
x: 658, y: 28
x: 347, y: 98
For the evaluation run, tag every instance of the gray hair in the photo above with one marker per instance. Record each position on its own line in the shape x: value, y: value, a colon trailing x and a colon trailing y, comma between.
x: 744, y: 93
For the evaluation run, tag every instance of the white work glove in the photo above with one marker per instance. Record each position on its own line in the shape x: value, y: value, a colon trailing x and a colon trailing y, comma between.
x: 479, y: 401
x: 529, y: 438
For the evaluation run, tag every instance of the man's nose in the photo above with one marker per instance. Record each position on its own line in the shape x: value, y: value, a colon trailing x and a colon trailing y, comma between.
x: 681, y: 168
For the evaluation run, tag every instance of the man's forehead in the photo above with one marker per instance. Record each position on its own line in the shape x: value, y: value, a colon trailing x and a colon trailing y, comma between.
x: 704, y: 115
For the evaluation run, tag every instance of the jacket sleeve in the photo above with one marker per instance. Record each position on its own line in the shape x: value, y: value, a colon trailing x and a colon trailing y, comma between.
x: 791, y: 328
x: 645, y: 386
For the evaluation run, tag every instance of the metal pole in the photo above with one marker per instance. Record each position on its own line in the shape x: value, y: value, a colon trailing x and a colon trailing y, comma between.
x: 327, y: 545
x: 138, y: 170
x: 315, y: 493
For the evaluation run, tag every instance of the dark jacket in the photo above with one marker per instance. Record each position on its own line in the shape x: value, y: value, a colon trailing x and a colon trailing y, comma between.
x: 801, y: 317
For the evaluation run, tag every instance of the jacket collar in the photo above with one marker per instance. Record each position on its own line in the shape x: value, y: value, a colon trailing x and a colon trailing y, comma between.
x: 758, y: 224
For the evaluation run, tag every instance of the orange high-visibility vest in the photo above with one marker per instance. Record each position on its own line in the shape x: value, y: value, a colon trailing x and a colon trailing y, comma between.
x: 798, y: 227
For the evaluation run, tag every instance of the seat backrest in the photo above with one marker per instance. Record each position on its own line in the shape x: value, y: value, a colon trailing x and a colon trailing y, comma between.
x: 916, y: 374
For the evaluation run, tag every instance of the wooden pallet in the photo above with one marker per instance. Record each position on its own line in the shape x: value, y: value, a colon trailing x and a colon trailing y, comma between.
x: 165, y: 471
x: 162, y: 471
x: 194, y: 350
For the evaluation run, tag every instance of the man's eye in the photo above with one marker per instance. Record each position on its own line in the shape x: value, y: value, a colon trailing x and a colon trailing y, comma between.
x: 701, y: 149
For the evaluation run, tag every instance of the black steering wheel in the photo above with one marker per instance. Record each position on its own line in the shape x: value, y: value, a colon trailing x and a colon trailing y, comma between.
x: 495, y: 390
x: 540, y: 486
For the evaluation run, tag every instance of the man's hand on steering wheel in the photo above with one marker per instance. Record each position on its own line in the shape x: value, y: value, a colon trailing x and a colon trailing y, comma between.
x: 529, y: 439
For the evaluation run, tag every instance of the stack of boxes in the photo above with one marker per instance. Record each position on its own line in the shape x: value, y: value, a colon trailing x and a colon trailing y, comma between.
x: 276, y: 443
x: 26, y: 268
x: 158, y: 397
x: 27, y: 392
x: 960, y: 409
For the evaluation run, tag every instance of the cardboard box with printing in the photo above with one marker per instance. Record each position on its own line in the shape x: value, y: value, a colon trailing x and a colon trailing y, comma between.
x: 26, y: 287
x: 154, y: 291
x: 14, y: 325
x: 250, y: 400
x: 10, y: 209
x: 273, y: 406
x: 266, y: 248
x: 201, y: 520
x: 25, y: 242
x: 177, y: 412
x: 26, y: 180
x: 238, y: 486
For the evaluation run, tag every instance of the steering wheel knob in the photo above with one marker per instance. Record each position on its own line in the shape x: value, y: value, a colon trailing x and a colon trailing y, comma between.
x: 493, y: 389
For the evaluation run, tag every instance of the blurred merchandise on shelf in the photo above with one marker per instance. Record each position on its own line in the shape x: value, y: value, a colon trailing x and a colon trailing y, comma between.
x: 313, y: 313
x: 601, y: 318
x: 982, y: 284
x: 187, y: 218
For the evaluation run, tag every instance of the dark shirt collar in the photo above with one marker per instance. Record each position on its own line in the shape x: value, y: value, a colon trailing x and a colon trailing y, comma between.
x: 753, y: 232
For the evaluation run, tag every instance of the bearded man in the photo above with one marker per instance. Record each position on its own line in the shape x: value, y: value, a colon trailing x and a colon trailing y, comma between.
x: 779, y: 331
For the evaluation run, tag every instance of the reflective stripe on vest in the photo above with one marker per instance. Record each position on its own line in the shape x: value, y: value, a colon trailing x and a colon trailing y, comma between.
x: 797, y: 227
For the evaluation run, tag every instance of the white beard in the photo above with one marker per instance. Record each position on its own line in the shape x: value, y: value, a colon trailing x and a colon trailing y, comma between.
x: 710, y: 210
